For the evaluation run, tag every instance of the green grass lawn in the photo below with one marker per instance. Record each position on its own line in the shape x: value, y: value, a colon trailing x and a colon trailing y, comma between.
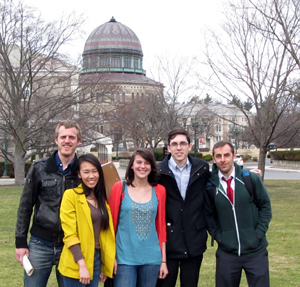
x: 283, y: 236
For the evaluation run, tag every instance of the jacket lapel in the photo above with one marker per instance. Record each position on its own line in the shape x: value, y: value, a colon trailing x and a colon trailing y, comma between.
x: 86, y: 211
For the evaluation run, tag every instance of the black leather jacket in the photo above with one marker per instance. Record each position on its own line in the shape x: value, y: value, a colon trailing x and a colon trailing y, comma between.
x: 43, y: 191
x: 186, y: 227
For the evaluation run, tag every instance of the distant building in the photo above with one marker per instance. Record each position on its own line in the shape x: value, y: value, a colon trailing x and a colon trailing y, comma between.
x: 215, y: 122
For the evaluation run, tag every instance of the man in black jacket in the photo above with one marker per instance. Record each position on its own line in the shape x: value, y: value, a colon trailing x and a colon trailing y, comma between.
x: 45, y: 183
x: 184, y: 178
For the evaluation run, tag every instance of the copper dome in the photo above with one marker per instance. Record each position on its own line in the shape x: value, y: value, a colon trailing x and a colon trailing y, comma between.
x: 113, y: 37
x: 113, y: 47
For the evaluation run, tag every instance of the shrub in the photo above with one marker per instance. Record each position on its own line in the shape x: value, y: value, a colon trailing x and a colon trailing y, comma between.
x: 207, y: 157
x: 159, y: 155
x: 293, y: 155
x: 246, y: 157
x: 10, y: 169
x: 198, y: 154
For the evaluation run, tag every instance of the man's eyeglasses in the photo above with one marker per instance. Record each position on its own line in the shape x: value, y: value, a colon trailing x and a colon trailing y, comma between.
x: 181, y: 144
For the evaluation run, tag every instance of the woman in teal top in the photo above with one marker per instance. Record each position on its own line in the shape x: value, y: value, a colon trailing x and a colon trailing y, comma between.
x: 139, y: 217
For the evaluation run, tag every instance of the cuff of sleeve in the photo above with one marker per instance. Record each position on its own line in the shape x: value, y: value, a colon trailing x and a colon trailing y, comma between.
x: 21, y: 242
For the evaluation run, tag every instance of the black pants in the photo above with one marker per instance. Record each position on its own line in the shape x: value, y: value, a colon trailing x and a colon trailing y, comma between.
x: 229, y: 269
x: 189, y: 272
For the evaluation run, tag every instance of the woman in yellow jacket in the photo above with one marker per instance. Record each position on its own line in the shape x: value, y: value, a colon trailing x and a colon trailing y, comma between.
x: 89, y: 243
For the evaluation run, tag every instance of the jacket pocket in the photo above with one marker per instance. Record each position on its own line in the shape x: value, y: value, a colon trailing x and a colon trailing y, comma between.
x: 199, y: 224
x: 49, y: 189
x: 229, y: 242
x: 249, y: 239
x: 48, y: 217
x: 175, y: 238
x: 47, y: 209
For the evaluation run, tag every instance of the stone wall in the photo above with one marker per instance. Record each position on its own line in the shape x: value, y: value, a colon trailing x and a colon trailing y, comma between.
x: 288, y: 164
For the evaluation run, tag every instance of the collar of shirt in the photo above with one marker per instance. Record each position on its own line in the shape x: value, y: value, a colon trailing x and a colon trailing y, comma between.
x: 60, y: 165
x: 182, y: 175
x: 224, y: 183
x: 173, y: 165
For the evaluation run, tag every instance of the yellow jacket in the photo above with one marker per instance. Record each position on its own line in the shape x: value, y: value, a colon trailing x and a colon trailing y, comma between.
x: 75, y: 215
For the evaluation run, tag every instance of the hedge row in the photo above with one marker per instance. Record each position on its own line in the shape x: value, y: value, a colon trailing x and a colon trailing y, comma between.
x: 10, y: 169
x: 292, y: 155
x: 158, y: 154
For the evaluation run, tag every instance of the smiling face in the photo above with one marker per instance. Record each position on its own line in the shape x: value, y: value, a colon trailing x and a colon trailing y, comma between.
x: 223, y: 158
x: 141, y: 167
x: 179, y: 149
x: 67, y: 141
x: 88, y: 174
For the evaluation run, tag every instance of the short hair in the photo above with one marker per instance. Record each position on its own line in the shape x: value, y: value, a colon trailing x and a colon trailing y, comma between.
x: 147, y: 155
x: 178, y: 131
x: 221, y: 144
x: 69, y: 124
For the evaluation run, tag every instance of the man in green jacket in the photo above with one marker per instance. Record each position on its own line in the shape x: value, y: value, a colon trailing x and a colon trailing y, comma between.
x: 237, y: 222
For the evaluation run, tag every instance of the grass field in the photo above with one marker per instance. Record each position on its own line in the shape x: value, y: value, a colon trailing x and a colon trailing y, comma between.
x: 283, y: 237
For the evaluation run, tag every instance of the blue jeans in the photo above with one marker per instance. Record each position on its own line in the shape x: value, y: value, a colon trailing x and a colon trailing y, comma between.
x: 136, y: 275
x: 43, y: 257
x: 71, y: 282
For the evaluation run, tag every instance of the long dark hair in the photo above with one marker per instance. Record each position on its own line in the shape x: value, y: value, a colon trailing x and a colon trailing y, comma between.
x: 99, y: 190
x: 147, y: 155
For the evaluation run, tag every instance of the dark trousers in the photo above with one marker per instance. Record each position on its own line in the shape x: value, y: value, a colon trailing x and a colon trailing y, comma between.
x: 229, y: 269
x: 189, y: 272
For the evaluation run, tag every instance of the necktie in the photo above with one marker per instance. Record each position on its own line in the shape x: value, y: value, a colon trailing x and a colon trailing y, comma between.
x: 229, y: 189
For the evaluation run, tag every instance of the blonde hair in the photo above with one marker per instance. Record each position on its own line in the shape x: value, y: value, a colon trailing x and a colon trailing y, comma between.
x: 69, y: 124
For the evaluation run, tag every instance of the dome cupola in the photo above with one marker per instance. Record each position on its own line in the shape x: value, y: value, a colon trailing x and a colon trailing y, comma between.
x: 113, y: 47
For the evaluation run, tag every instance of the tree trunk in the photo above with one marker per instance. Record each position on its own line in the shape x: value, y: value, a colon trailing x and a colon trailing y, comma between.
x: 262, y: 160
x: 19, y: 164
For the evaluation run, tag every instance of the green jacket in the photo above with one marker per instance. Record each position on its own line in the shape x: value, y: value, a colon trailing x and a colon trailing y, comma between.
x: 238, y: 228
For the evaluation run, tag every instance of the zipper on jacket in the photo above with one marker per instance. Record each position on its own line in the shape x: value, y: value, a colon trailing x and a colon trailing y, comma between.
x: 237, y: 231
x: 62, y: 192
x: 235, y: 221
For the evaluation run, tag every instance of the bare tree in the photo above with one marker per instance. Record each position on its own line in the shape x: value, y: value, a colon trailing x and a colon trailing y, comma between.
x: 179, y: 78
x: 249, y: 67
x: 143, y: 122
x: 37, y: 86
x: 281, y: 23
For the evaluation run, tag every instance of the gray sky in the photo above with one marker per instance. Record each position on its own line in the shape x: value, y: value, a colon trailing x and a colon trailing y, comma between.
x: 170, y: 27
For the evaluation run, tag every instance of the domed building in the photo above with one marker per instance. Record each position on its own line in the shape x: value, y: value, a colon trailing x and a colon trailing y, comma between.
x: 113, y: 64
x: 112, y: 71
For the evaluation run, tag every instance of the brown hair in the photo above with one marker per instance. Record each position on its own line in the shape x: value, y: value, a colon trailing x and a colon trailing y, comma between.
x: 147, y: 155
x: 178, y: 131
x: 221, y: 144
x: 69, y: 124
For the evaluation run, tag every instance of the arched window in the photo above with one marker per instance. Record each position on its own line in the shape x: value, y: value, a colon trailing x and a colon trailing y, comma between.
x: 136, y: 63
x: 127, y: 62
x: 104, y: 62
x: 116, y: 62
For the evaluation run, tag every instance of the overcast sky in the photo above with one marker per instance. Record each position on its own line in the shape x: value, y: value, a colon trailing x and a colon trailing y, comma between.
x: 162, y: 26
